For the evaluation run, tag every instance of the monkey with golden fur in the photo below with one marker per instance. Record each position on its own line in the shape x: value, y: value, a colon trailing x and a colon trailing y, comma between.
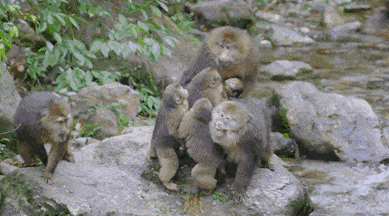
x: 242, y: 128
x: 164, y: 141
x: 194, y: 128
x: 232, y: 51
x: 44, y: 117
x: 206, y: 84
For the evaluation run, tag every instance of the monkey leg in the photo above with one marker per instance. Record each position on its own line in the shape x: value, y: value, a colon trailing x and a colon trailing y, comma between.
x: 56, y: 154
x: 27, y: 153
x: 69, y: 156
x: 243, y: 177
x: 204, y: 176
x: 169, y: 162
x: 152, y: 152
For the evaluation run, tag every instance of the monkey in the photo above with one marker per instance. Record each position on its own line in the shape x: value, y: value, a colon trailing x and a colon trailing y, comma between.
x: 200, y: 146
x: 206, y: 84
x: 164, y: 140
x: 16, y: 61
x: 232, y: 51
x: 44, y: 117
x: 242, y: 128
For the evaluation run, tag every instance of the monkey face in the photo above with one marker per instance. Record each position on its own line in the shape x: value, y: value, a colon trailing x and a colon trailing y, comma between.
x: 175, y: 96
x: 229, y: 123
x: 229, y: 46
x: 57, y: 121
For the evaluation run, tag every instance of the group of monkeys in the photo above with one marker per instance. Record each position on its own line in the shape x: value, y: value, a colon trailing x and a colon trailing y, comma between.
x: 196, y: 114
x: 201, y: 115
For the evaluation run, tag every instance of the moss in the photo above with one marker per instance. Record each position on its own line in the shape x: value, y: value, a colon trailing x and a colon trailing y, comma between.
x: 301, y: 206
x: 282, y: 78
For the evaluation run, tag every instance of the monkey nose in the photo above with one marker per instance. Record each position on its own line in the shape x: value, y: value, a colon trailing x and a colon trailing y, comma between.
x: 62, y: 137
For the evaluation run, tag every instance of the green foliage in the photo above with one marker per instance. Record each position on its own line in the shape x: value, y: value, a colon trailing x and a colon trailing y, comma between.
x: 89, y: 130
x: 120, y: 117
x: 218, y: 197
x: 149, y: 101
x: 183, y: 22
x: 7, y: 29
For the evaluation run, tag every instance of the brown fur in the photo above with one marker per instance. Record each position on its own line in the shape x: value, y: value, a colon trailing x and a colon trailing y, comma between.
x: 194, y: 128
x: 44, y: 117
x: 206, y: 84
x: 16, y: 61
x: 242, y: 128
x: 164, y: 140
x: 232, y: 51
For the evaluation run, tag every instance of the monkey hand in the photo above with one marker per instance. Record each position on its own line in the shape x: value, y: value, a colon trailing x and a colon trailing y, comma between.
x: 239, y: 195
x: 70, y: 158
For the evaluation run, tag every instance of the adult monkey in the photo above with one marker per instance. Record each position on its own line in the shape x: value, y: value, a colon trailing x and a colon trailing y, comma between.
x: 44, y: 117
x: 242, y: 128
x: 164, y: 141
x: 232, y: 51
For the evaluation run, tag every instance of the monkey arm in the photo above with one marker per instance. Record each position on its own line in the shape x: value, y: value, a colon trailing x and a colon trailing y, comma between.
x: 56, y: 154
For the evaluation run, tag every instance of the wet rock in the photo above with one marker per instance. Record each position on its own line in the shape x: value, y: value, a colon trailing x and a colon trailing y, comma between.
x: 375, y: 83
x: 377, y: 23
x: 344, y: 31
x: 284, y: 36
x: 211, y: 12
x: 286, y: 68
x: 271, y: 17
x: 356, y: 8
x: 330, y: 123
x: 331, y: 17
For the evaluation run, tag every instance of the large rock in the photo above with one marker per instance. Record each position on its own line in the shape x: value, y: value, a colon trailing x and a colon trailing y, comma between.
x: 330, y: 123
x: 9, y: 97
x: 95, y: 95
x: 283, y: 36
x: 106, y: 179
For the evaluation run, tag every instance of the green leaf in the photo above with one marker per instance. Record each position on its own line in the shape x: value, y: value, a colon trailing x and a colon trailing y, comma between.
x: 156, y: 50
x: 50, y: 19
x: 59, y: 17
x: 133, y: 31
x: 95, y: 46
x: 115, y: 46
x: 57, y: 37
x: 144, y: 14
x: 70, y: 80
x: 163, y: 6
x: 104, y: 49
x: 122, y: 19
x: 80, y: 58
x: 54, y: 57
x: 75, y: 24
x: 155, y: 10
x: 88, y: 78
x: 49, y: 46
x: 88, y: 64
x: 42, y: 27
x: 143, y: 26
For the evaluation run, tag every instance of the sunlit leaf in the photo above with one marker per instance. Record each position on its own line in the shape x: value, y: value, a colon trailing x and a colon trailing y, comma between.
x: 104, y: 49
x: 155, y: 10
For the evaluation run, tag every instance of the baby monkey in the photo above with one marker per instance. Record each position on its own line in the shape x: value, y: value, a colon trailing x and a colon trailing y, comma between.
x: 164, y: 141
x: 44, y: 117
x: 194, y: 128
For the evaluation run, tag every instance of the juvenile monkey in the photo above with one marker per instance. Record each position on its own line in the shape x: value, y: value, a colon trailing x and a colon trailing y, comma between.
x: 206, y: 84
x: 16, y: 61
x: 44, y: 117
x: 242, y: 128
x: 164, y: 140
x: 194, y: 128
x: 232, y: 51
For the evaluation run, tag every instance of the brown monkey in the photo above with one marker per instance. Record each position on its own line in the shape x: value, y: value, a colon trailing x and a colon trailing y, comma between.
x: 164, y: 140
x: 242, y: 128
x: 44, y: 117
x: 194, y: 128
x: 16, y: 61
x: 206, y: 84
x: 232, y: 51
